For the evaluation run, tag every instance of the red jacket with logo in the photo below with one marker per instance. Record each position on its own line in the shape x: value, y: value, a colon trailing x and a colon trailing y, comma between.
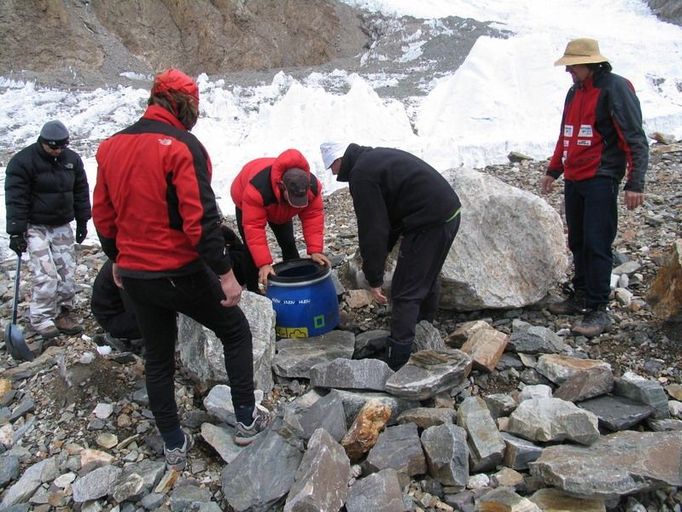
x: 257, y: 192
x: 602, y: 133
x: 153, y: 205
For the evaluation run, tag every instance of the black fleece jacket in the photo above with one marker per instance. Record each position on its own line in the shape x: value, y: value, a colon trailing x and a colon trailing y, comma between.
x: 393, y: 192
x: 46, y: 190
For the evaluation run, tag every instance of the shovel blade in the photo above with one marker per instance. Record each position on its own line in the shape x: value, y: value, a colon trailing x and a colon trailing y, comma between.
x: 15, y: 343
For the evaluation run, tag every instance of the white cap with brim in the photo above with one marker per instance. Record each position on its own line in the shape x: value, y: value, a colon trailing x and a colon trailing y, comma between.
x: 331, y: 151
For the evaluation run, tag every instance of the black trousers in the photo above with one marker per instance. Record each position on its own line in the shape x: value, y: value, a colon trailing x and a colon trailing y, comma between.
x: 123, y: 324
x: 198, y: 295
x: 284, y: 234
x: 592, y: 220
x: 416, y: 281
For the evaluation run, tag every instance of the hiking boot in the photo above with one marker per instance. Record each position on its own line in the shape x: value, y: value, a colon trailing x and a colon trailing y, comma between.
x: 177, y: 457
x: 397, y: 354
x: 572, y: 305
x: 595, y: 322
x: 245, y: 435
x: 66, y: 323
x: 48, y: 332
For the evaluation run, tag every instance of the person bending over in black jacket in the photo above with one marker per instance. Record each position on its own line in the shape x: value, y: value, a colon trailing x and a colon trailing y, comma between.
x: 396, y: 194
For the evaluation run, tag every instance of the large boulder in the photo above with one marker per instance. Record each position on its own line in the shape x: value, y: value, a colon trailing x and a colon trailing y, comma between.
x: 201, y: 352
x: 510, y: 249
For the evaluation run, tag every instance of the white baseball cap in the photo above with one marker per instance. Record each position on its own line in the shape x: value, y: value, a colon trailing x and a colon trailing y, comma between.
x: 331, y: 151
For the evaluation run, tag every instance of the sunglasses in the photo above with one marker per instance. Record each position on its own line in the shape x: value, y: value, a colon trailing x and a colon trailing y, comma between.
x: 58, y: 146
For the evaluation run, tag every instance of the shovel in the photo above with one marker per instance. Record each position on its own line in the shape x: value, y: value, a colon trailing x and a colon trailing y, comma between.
x: 14, y: 338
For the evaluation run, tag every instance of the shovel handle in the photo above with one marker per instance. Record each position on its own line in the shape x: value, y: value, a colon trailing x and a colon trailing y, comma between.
x: 16, y: 290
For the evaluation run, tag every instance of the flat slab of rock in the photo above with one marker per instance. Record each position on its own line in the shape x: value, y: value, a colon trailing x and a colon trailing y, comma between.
x: 361, y: 374
x: 428, y: 373
x: 626, y: 462
x: 295, y: 358
x: 617, y: 412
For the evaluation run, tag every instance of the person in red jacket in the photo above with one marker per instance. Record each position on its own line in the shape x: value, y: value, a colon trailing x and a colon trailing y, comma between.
x: 601, y: 142
x: 273, y: 191
x: 157, y: 219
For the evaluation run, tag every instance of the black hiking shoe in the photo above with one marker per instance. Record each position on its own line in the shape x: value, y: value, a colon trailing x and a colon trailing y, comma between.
x: 594, y: 323
x: 574, y: 304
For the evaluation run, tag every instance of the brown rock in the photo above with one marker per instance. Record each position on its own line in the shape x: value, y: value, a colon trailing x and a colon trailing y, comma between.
x: 665, y: 294
x: 554, y: 500
x: 464, y: 331
x: 504, y: 499
x: 365, y: 430
x: 485, y: 346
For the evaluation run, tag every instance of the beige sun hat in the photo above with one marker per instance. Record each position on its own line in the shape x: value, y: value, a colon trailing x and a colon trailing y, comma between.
x: 581, y: 51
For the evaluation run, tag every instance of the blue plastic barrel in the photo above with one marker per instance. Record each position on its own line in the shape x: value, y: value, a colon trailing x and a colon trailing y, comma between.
x: 304, y: 298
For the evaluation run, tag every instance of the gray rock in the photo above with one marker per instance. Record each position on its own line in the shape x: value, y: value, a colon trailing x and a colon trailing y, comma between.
x: 535, y: 391
x: 500, y: 404
x: 218, y: 403
x: 528, y: 270
x: 188, y: 497
x: 534, y: 339
x: 486, y: 446
x: 553, y: 419
x: 398, y: 447
x: 370, y: 343
x: 152, y: 501
x: 313, y: 411
x: 669, y: 425
x: 519, y: 452
x: 379, y: 492
x: 425, y: 417
x: 645, y: 391
x: 96, y: 484
x: 262, y: 474
x: 360, y: 374
x: 295, y: 358
x: 616, y: 412
x: 221, y: 439
x: 201, y: 353
x: 321, y: 481
x: 622, y: 463
x: 427, y: 337
x: 428, y: 373
x: 43, y: 471
x: 447, y: 454
x: 9, y: 469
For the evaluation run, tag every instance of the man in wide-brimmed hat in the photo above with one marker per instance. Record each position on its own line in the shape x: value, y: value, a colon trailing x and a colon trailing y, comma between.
x: 601, y: 142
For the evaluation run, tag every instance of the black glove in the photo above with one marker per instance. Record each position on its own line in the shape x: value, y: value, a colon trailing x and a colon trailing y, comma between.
x: 81, y: 231
x: 17, y: 243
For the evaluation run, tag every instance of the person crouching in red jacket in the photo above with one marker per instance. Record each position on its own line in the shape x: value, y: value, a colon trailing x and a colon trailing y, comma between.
x: 273, y: 191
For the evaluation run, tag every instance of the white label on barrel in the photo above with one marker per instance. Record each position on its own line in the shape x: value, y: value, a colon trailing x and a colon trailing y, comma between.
x: 304, y: 301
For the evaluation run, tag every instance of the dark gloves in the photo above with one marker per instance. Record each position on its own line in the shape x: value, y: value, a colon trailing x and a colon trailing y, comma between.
x: 17, y: 243
x: 81, y: 231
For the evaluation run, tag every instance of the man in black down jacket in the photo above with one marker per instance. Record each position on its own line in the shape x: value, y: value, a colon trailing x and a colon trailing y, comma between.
x: 397, y: 194
x: 45, y: 189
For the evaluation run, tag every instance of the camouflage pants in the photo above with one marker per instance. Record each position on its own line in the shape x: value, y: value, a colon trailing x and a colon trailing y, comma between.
x: 52, y: 261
